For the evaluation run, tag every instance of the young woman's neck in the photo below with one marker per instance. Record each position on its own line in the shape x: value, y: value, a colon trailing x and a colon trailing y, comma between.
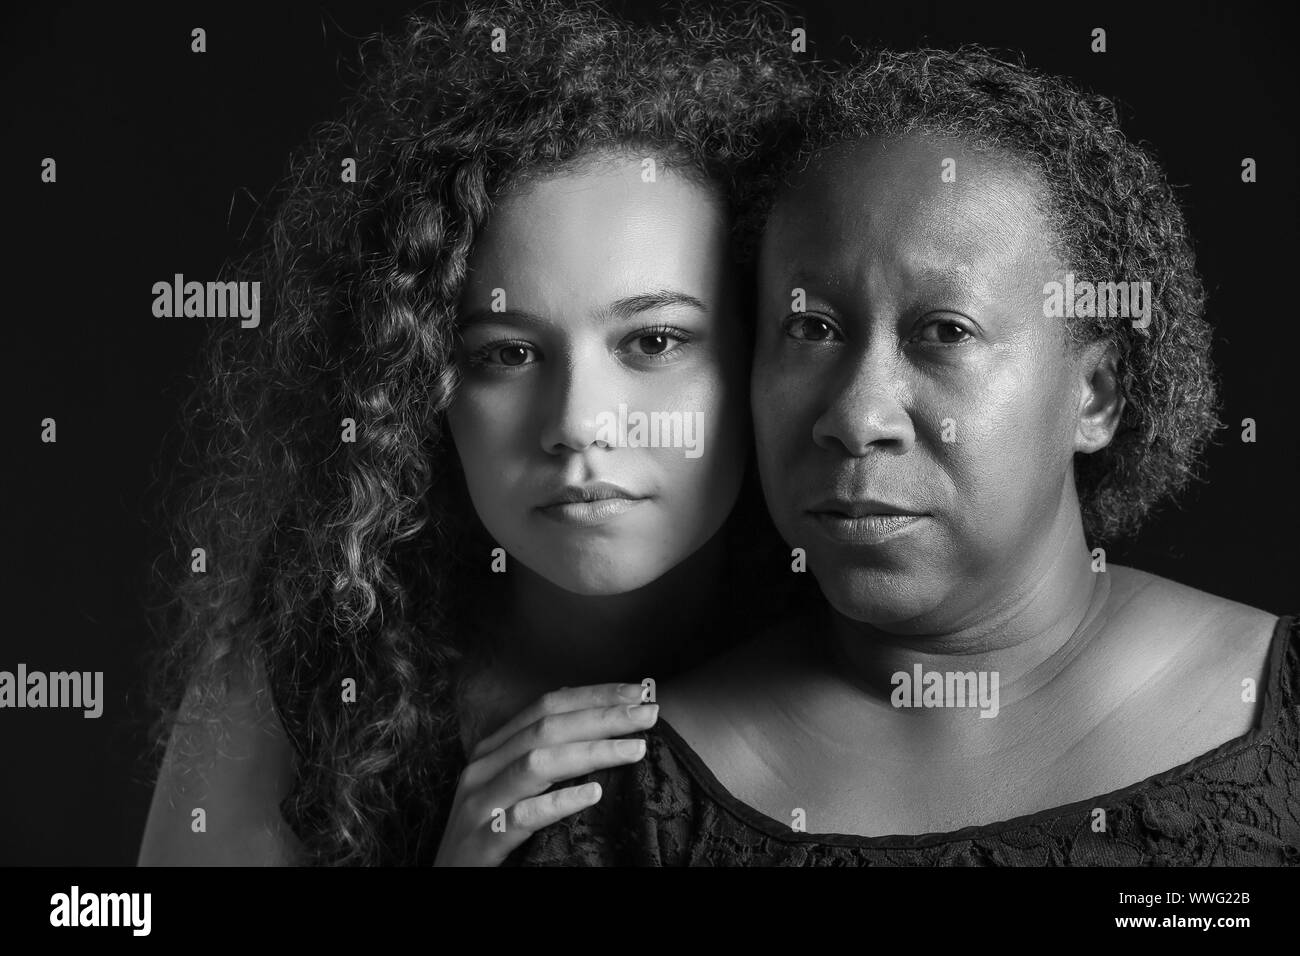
x: 558, y: 638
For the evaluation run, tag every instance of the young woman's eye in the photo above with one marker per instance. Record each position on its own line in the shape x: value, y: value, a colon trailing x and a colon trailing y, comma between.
x: 504, y: 354
x: 656, y: 343
x: 807, y: 327
x: 943, y: 332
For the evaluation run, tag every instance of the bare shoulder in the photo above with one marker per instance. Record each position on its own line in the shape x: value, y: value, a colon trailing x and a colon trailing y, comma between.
x: 1223, y: 641
x: 712, y: 706
x: 228, y: 765
x: 1215, y: 622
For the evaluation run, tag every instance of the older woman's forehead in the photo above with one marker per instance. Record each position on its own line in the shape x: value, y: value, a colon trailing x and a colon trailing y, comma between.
x: 872, y: 210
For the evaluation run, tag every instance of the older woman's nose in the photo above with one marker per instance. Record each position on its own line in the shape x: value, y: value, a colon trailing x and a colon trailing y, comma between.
x: 865, y: 409
x: 576, y: 402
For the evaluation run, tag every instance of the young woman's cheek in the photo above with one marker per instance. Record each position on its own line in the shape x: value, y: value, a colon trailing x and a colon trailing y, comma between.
x: 489, y: 424
x: 701, y: 474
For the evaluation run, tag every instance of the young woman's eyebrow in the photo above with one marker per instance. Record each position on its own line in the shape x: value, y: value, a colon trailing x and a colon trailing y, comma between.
x: 622, y: 309
x: 476, y: 316
x: 633, y: 305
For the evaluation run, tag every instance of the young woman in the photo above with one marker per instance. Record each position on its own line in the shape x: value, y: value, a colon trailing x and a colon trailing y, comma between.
x: 948, y: 445
x: 485, y: 447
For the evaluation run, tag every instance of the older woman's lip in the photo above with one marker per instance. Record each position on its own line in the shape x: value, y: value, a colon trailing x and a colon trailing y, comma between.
x: 865, y: 529
x: 859, y: 507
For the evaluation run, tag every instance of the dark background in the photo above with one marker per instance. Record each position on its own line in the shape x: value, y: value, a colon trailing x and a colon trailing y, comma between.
x: 164, y: 157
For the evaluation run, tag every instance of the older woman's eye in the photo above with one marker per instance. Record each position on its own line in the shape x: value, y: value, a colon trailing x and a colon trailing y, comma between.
x: 810, y: 328
x: 943, y: 332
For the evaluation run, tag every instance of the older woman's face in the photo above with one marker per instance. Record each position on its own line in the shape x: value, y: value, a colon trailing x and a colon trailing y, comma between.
x: 921, y: 381
x: 601, y: 420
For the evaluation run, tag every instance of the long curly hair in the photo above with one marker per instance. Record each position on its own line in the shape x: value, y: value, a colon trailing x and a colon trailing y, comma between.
x: 1115, y: 217
x: 331, y: 559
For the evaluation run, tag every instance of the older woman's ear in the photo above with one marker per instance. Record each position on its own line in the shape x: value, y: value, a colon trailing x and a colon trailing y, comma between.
x: 1101, y: 401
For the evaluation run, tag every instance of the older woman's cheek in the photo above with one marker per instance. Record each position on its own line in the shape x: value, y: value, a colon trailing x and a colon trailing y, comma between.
x: 780, y: 442
x: 1006, y: 463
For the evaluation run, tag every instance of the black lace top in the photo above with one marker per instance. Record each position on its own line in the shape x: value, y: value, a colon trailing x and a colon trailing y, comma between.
x: 1238, y: 804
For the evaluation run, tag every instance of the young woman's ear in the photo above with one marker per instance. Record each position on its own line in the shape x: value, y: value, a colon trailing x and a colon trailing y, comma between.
x: 1101, y: 401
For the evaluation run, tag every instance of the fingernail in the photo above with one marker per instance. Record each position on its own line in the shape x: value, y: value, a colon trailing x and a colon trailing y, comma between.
x: 643, y: 713
x: 630, y: 748
x: 630, y: 692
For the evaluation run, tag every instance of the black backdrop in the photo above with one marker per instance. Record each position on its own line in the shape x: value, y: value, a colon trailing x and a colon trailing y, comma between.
x: 164, y: 157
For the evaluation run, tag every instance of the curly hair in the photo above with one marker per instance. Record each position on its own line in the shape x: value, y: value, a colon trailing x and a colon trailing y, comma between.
x: 327, y: 559
x: 1113, y: 214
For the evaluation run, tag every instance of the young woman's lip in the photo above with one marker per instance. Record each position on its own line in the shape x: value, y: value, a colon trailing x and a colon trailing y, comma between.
x: 594, y: 512
x: 593, y: 491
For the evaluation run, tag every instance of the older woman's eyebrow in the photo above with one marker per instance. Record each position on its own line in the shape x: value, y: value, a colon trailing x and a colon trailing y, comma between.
x: 805, y: 277
x: 946, y: 281
x: 954, y: 280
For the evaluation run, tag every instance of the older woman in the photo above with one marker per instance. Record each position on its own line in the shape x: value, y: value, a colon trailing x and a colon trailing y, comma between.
x: 950, y: 420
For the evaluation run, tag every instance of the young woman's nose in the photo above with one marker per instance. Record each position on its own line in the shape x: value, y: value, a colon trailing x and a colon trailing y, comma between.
x: 581, y: 394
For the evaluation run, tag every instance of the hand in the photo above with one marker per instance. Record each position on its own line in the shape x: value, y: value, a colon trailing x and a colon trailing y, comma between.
x: 561, y: 736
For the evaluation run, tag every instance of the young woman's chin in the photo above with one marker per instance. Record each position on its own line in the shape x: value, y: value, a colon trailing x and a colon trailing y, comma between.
x: 597, y: 581
x: 603, y: 567
x: 601, y: 574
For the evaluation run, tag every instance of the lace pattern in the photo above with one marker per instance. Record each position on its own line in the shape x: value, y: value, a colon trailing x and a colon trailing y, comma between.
x: 1237, y: 805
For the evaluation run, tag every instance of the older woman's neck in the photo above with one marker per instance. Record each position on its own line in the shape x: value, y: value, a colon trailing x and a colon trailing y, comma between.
x: 1025, y: 622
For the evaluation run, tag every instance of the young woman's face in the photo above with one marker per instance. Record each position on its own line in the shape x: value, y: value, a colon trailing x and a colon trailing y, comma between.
x: 601, y: 419
x: 922, y: 378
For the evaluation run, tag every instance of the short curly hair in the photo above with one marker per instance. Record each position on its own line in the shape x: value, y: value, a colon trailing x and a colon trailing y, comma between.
x: 1114, y: 215
x: 330, y: 561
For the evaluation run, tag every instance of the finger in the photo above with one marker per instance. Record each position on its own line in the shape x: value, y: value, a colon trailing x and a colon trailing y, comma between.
x: 560, y: 701
x: 552, y: 730
x: 534, y: 813
x: 538, y: 770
